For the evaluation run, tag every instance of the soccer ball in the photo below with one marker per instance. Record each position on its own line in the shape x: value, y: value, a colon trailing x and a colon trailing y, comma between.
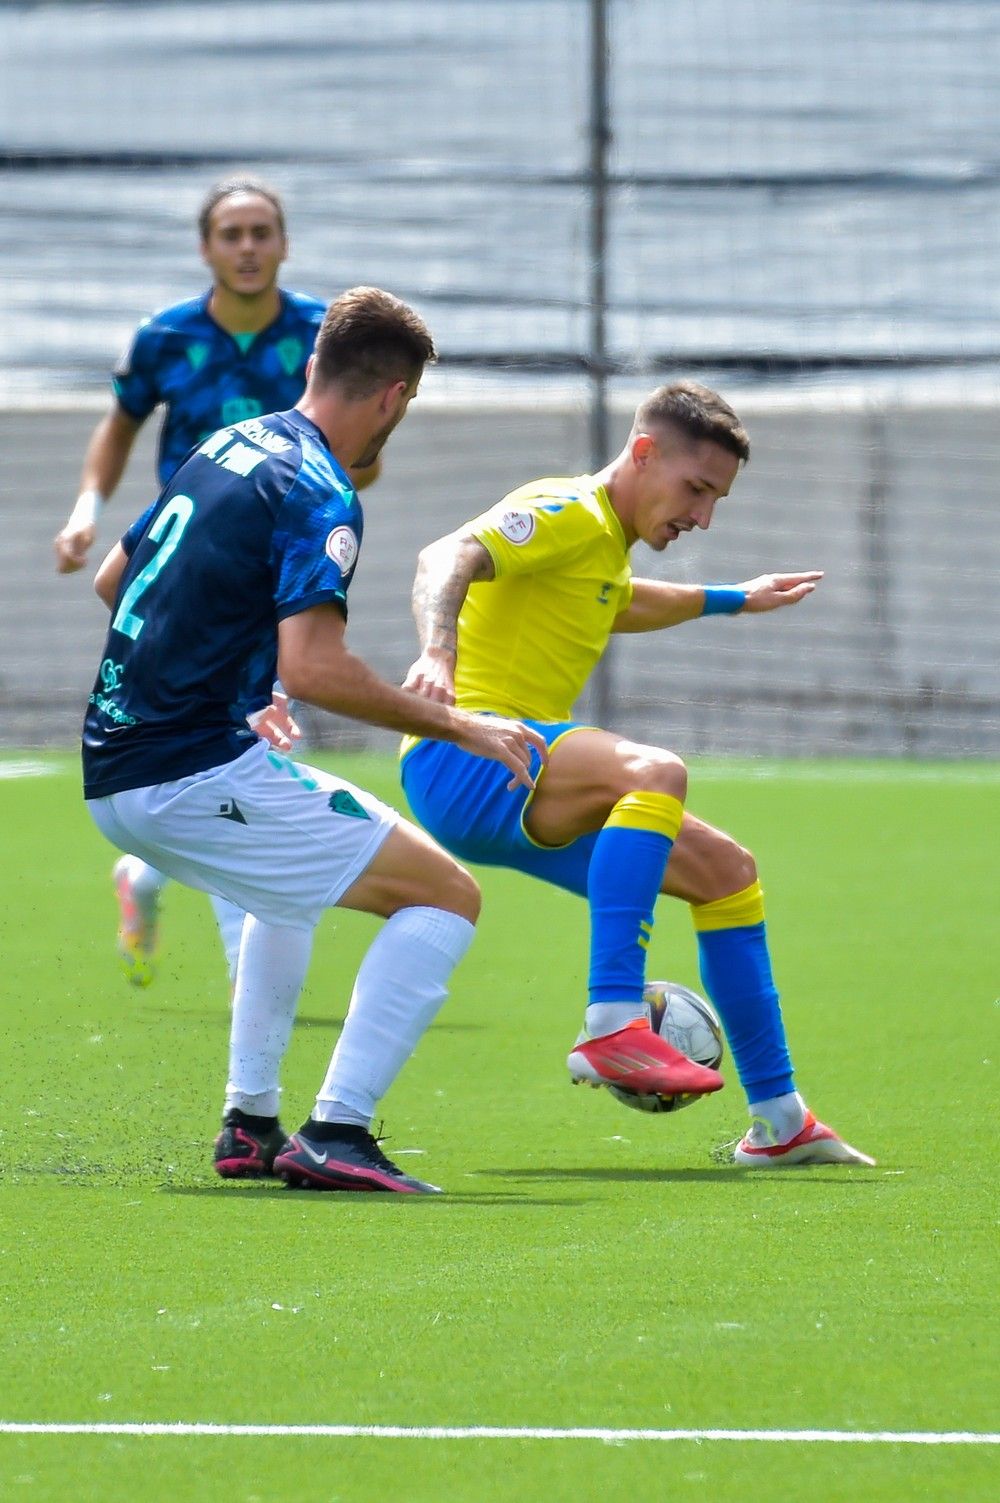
x: 690, y: 1024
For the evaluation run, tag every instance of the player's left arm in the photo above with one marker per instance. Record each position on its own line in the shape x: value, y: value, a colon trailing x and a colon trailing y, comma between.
x: 445, y: 570
x: 656, y: 603
x: 108, y: 576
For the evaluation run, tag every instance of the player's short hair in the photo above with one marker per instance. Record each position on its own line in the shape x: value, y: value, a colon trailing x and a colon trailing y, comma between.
x: 243, y: 183
x: 369, y: 339
x: 695, y: 412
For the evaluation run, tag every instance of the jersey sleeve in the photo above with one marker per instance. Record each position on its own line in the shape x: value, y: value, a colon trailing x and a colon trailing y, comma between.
x: 130, y: 539
x: 316, y: 544
x: 134, y: 379
x: 530, y: 531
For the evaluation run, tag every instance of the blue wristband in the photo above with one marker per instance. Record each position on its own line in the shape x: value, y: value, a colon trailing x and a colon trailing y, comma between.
x: 723, y: 600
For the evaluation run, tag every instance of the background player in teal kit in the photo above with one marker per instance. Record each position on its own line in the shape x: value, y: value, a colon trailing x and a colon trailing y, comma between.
x: 234, y: 352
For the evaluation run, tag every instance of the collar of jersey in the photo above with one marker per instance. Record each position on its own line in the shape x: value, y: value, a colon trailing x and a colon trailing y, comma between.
x: 604, y: 502
x: 276, y: 320
x: 299, y: 420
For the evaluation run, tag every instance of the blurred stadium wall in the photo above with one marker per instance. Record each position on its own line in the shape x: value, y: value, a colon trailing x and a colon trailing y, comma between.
x: 797, y: 201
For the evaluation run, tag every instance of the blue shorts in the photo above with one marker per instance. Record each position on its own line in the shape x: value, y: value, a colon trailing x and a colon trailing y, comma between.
x: 464, y: 802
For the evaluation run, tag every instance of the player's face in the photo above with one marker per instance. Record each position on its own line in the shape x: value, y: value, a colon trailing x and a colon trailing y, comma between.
x: 677, y: 486
x: 245, y: 245
x: 396, y: 399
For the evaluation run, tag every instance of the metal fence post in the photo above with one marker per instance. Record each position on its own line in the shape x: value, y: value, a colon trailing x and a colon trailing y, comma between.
x: 602, y: 684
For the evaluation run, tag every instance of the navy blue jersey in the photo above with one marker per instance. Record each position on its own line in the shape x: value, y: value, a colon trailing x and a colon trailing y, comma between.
x: 184, y: 359
x: 260, y: 523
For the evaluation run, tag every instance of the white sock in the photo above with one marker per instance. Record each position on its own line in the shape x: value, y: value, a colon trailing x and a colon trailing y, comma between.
x: 272, y: 967
x: 147, y: 882
x: 230, y: 921
x: 402, y: 982
x: 777, y: 1119
x: 608, y: 1017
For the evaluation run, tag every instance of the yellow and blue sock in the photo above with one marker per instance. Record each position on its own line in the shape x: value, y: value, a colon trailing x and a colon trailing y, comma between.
x: 623, y: 883
x: 736, y: 971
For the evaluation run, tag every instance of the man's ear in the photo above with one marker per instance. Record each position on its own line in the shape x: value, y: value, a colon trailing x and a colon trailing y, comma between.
x: 642, y: 448
x: 392, y: 396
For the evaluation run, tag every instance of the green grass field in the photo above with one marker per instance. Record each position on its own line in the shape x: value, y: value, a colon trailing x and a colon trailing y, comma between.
x: 588, y: 1267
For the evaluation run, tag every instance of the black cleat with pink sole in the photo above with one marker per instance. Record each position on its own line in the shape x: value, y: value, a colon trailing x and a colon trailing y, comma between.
x: 338, y: 1156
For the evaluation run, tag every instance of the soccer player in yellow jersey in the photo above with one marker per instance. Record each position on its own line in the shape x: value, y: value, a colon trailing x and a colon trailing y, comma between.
x: 513, y: 610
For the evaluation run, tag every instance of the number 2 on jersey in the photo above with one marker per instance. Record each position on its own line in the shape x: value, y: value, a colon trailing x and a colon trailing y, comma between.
x: 169, y: 526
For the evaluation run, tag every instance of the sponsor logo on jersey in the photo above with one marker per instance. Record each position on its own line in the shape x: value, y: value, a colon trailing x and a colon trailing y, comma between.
x: 342, y: 548
x: 112, y: 709
x: 517, y: 526
x: 111, y: 675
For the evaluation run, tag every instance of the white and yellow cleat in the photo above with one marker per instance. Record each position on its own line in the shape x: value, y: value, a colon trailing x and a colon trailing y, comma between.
x: 815, y: 1143
x: 137, y: 925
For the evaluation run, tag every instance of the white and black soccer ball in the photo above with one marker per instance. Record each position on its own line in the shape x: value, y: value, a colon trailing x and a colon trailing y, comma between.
x: 690, y: 1023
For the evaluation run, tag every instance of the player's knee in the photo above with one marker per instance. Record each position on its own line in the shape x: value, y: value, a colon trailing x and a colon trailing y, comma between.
x: 459, y: 893
x: 660, y: 773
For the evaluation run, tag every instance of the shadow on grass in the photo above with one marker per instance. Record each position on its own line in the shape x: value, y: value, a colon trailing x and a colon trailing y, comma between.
x: 282, y: 1194
x: 220, y: 1015
x: 724, y: 1173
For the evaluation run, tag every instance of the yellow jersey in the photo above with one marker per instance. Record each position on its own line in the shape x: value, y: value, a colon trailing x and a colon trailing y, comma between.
x: 528, y: 639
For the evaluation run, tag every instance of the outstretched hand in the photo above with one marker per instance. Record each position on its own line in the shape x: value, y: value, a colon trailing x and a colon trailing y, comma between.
x: 768, y: 592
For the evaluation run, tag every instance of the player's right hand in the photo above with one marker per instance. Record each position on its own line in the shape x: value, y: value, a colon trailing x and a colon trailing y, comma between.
x: 506, y: 741
x: 433, y: 676
x: 274, y: 723
x: 72, y: 546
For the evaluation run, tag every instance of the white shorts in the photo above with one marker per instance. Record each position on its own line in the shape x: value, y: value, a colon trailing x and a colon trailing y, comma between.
x: 279, y: 839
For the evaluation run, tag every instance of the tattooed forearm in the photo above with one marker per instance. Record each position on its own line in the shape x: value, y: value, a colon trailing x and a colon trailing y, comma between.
x: 445, y: 571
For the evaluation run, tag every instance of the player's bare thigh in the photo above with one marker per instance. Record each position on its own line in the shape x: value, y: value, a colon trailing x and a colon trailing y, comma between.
x: 410, y: 870
x: 590, y: 770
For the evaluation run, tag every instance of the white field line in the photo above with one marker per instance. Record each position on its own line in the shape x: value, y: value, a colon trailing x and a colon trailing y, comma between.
x: 25, y: 769
x: 507, y: 1432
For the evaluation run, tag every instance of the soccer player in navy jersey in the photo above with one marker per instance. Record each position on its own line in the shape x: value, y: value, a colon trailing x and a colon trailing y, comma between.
x: 234, y: 352
x: 240, y: 570
x: 513, y: 610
